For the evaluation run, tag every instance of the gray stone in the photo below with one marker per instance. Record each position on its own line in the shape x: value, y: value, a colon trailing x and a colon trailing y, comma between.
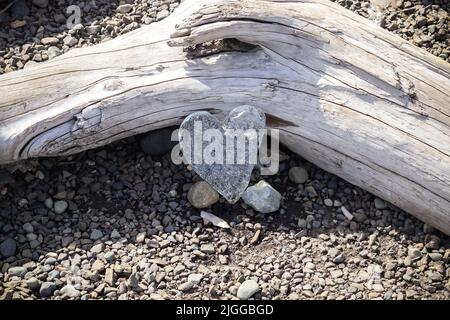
x: 97, y: 248
x: 50, y: 261
x: 230, y: 178
x: 333, y: 252
x: 53, y: 52
x: 6, y: 177
x: 70, y: 41
x: 336, y: 273
x: 93, y: 29
x: 41, y: 3
x: 69, y: 291
x: 208, y: 248
x: 185, y: 286
x: 262, y: 197
x: 298, y: 175
x: 19, y: 9
x: 124, y: 8
x: 380, y: 204
x: 17, y: 271
x: 47, y: 289
x: 302, y: 223
x: 110, y: 256
x: 110, y: 278
x: 8, y: 248
x: 339, y: 259
x: 140, y: 238
x: 162, y: 14
x: 96, y: 234
x: 28, y: 227
x: 49, y: 41
x: 49, y: 203
x: 33, y: 283
x: 414, y: 253
x: 158, y: 142
x: 115, y: 234
x: 202, y: 195
x: 247, y: 289
x: 435, y: 256
x: 195, y: 278
x: 60, y: 206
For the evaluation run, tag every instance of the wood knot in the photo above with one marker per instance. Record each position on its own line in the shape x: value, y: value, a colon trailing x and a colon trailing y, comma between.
x: 113, y: 85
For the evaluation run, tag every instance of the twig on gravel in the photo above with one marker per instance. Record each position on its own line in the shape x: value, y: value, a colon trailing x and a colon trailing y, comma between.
x: 8, y: 6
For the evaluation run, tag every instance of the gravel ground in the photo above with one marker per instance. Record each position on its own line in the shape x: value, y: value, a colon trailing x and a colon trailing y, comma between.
x: 35, y: 31
x: 116, y: 223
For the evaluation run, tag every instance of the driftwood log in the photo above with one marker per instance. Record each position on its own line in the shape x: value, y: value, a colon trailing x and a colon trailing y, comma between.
x: 347, y: 95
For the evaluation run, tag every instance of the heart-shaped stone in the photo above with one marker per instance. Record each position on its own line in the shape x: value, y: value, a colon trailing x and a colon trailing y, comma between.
x: 223, y: 154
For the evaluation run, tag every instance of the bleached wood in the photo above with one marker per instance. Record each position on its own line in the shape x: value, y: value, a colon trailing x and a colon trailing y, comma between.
x: 353, y: 98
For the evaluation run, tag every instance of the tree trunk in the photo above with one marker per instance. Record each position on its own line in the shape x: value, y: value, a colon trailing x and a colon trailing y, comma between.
x: 347, y: 95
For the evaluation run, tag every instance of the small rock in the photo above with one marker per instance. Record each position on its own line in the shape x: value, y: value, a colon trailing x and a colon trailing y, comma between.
x: 162, y: 14
x: 96, y: 234
x: 435, y: 256
x: 93, y: 29
x: 8, y: 248
x: 17, y: 24
x: 140, y: 238
x: 195, y: 278
x: 41, y: 3
x: 53, y: 52
x: 69, y: 291
x: 60, y: 18
x: 202, y: 195
x: 50, y: 41
x: 28, y: 227
x: 33, y: 283
x: 47, y: 289
x: 6, y: 177
x: 98, y: 248
x: 414, y: 253
x: 255, y: 237
x: 124, y: 8
x: 185, y: 286
x: 247, y: 289
x: 60, y: 206
x: 207, y: 248
x: 19, y: 9
x: 17, y: 271
x: 333, y: 252
x: 110, y: 277
x: 339, y: 259
x: 110, y: 256
x: 98, y: 266
x: 346, y: 213
x: 380, y: 204
x: 302, y: 223
x: 298, y: 175
x: 115, y: 234
x: 336, y: 273
x: 70, y: 41
x: 360, y: 217
x: 262, y: 197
